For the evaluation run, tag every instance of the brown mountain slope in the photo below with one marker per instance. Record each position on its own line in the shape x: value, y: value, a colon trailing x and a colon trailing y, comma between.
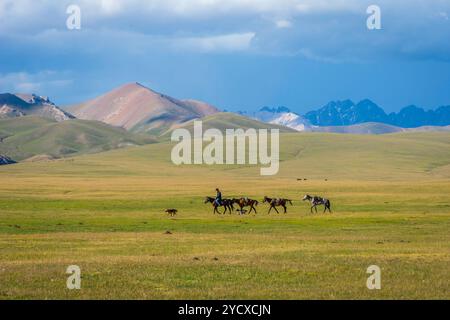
x: 140, y: 109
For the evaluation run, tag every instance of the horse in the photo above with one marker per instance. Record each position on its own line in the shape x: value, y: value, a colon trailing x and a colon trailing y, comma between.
x: 317, y: 201
x: 226, y: 203
x: 246, y: 202
x: 277, y: 202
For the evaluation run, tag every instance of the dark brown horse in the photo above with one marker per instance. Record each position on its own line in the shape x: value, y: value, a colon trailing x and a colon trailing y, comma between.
x: 226, y: 203
x: 246, y: 202
x: 277, y: 202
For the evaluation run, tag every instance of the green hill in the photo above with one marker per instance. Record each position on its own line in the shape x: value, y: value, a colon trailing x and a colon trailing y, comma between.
x: 26, y: 137
x: 386, y: 157
x: 401, y: 156
x: 225, y: 120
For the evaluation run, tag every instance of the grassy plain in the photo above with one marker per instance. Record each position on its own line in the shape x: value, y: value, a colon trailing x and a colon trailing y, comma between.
x: 391, y: 207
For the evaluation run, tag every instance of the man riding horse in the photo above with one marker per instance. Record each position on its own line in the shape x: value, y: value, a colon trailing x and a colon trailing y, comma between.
x: 218, y: 199
x: 219, y: 202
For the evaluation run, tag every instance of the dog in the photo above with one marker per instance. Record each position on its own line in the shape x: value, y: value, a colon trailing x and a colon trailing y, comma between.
x: 243, y: 211
x: 171, y: 212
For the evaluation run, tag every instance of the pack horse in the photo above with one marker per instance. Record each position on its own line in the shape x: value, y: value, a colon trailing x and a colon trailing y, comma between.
x: 317, y: 201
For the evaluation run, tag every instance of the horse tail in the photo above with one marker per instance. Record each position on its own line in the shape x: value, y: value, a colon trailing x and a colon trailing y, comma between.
x: 290, y: 201
x: 256, y: 203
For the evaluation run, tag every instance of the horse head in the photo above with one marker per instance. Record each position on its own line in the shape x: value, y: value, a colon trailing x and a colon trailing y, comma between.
x: 208, y: 199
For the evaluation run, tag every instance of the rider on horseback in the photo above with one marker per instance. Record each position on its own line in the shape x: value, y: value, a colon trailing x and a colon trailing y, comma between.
x: 218, y: 197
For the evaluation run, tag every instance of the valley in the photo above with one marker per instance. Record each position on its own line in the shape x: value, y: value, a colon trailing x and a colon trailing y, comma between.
x: 105, y: 213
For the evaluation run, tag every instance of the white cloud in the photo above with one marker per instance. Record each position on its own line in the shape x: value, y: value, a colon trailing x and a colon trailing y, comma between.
x: 328, y: 28
x: 220, y: 43
x: 111, y: 7
x: 24, y: 82
x: 443, y: 15
x: 38, y: 11
x: 282, y: 24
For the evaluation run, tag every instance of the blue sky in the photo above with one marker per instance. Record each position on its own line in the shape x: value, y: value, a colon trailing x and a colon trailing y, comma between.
x: 236, y: 54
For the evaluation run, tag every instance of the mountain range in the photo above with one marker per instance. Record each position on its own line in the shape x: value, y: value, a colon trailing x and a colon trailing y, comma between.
x: 139, y: 109
x: 33, y: 127
x: 342, y: 113
x: 336, y: 115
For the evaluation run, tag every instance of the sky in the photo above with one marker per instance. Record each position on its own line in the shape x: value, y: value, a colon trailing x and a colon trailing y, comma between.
x: 235, y: 54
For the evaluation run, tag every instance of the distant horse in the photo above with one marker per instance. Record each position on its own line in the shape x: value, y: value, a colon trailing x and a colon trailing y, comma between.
x: 246, y: 202
x: 277, y: 202
x: 226, y: 203
x: 317, y: 201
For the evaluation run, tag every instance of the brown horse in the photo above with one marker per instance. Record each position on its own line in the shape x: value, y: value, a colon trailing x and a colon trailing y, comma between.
x: 226, y: 203
x: 277, y: 202
x: 246, y: 202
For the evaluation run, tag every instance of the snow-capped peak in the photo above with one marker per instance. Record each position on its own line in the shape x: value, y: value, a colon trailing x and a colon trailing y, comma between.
x: 291, y: 120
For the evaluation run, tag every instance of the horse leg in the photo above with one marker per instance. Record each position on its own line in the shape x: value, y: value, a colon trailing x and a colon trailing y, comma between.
x: 269, y: 210
x: 276, y: 210
x: 285, y: 209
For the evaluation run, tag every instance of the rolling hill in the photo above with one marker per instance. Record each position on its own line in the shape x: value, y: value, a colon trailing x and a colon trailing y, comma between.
x: 140, y: 109
x: 226, y: 120
x: 399, y: 156
x: 362, y: 128
x: 38, y: 138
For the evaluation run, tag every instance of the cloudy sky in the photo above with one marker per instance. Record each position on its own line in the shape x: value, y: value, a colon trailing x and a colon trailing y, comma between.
x: 236, y: 54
